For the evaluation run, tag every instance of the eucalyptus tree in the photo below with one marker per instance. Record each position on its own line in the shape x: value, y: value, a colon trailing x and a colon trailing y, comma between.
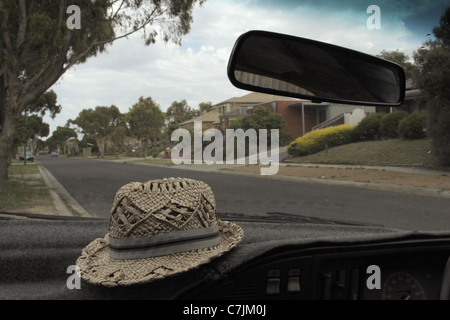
x: 41, y: 40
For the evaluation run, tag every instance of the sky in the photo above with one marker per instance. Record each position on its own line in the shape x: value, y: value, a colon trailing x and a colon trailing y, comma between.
x: 196, y: 70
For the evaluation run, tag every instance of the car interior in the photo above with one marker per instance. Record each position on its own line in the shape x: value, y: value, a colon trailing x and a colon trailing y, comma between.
x: 312, y: 259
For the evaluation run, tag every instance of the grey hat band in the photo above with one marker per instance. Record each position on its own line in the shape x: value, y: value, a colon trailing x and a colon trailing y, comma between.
x: 163, y: 244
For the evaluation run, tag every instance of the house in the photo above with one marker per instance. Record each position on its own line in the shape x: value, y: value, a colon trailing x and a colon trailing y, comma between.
x: 208, y: 119
x: 303, y: 116
x: 297, y: 115
x: 300, y: 116
x: 224, y: 111
x: 415, y: 99
x: 334, y: 114
x: 239, y: 106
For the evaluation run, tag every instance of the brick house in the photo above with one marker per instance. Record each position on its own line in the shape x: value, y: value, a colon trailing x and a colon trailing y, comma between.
x: 208, y: 119
x: 300, y: 116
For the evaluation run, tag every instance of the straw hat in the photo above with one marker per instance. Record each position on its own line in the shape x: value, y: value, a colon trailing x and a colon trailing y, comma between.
x: 157, y: 229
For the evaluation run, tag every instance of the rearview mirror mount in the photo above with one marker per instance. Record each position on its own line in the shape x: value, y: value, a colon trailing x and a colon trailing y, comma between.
x: 301, y: 68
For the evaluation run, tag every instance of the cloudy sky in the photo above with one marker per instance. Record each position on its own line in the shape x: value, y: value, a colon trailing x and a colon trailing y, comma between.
x: 196, y: 71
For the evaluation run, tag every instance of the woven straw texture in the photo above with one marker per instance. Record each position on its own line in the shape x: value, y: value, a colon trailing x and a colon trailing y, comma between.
x: 152, y: 208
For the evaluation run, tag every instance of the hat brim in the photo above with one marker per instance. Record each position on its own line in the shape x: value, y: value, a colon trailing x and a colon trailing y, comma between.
x: 97, y: 267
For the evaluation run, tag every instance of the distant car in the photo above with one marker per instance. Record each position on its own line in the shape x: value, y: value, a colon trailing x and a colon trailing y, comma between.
x: 30, y: 156
x: 54, y: 154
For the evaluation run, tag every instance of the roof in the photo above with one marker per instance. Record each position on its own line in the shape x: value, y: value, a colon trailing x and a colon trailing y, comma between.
x: 256, y: 98
x: 210, y: 116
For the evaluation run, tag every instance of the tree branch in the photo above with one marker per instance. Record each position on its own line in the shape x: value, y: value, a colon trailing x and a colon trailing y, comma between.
x: 31, y: 91
x: 142, y: 26
x: 22, y: 25
x: 5, y: 36
x: 113, y: 16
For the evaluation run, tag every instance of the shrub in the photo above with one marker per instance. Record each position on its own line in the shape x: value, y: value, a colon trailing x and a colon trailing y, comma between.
x: 439, y: 128
x: 369, y: 127
x: 319, y: 140
x: 389, y: 123
x: 414, y: 126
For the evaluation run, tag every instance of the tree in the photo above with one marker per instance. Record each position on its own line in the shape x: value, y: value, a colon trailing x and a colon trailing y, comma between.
x: 31, y: 128
x: 181, y: 111
x: 46, y: 102
x: 205, y: 107
x: 59, y: 138
x: 178, y: 112
x: 99, y: 123
x: 433, y: 77
x: 262, y: 118
x: 37, y: 46
x: 400, y: 58
x: 146, y: 121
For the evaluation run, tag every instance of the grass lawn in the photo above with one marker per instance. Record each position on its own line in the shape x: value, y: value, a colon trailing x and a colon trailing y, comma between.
x: 25, y: 190
x: 384, y: 152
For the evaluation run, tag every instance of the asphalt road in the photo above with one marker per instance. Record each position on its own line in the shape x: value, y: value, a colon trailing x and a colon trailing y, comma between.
x: 93, y: 184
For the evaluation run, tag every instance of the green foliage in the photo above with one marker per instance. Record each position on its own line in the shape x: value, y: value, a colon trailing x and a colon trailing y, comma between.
x: 45, y: 103
x: 414, y: 126
x: 401, y: 59
x: 439, y: 128
x: 262, y: 118
x: 99, y: 123
x: 433, y: 77
x: 30, y: 127
x: 37, y: 47
x: 369, y: 127
x: 205, y: 107
x: 389, y: 123
x: 146, y: 121
x: 319, y: 140
x: 181, y: 111
x: 60, y: 137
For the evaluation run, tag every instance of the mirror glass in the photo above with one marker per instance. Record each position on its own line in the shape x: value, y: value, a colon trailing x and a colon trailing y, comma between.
x: 296, y: 67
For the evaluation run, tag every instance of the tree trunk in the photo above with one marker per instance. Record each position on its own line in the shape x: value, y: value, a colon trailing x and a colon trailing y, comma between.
x: 101, y: 147
x: 6, y: 141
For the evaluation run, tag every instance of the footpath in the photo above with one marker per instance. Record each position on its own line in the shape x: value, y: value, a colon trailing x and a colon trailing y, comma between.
x: 413, y: 180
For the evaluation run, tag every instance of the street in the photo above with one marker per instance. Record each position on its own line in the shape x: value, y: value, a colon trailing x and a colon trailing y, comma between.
x: 94, y: 183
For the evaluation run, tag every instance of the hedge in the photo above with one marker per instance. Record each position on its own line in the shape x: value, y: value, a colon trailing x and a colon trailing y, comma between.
x: 369, y: 127
x: 389, y: 123
x: 414, y: 126
x: 319, y: 140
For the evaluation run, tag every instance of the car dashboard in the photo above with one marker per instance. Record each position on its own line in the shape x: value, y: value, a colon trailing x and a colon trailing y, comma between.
x: 407, y: 270
x: 278, y: 259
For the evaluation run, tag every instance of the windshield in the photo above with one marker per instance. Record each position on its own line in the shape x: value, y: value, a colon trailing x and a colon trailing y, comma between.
x: 132, y: 101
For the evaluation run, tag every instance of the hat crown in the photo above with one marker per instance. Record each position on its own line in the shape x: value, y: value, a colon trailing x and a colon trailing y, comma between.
x: 162, y: 206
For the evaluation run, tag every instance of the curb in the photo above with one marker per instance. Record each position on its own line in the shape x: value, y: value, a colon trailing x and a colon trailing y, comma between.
x: 365, y: 185
x: 64, y: 202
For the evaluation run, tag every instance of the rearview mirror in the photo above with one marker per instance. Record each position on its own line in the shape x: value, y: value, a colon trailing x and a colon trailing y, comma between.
x: 301, y: 68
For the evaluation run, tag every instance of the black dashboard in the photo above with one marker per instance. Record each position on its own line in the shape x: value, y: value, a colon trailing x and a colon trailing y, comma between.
x: 277, y: 260
x: 408, y: 270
